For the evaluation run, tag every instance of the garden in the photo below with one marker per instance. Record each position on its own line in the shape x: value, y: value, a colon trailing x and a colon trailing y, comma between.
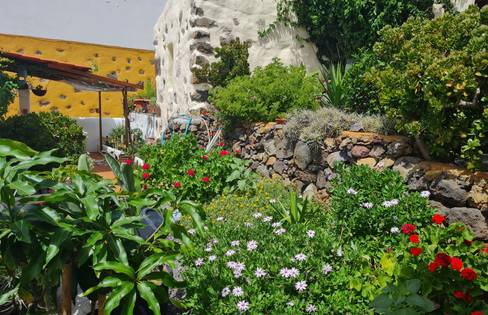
x: 187, y: 228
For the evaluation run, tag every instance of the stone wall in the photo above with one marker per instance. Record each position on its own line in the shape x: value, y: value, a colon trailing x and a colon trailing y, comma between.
x: 189, y: 30
x: 460, y: 194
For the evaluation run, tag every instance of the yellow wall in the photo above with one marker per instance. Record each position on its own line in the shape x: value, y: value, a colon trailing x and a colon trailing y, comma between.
x: 134, y: 65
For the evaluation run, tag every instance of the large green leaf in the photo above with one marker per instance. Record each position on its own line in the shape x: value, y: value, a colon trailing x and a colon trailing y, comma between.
x: 8, y: 296
x: 129, y: 302
x: 128, y: 177
x: 107, y: 282
x: 148, y: 295
x: 55, y: 244
x: 22, y: 187
x: 16, y: 149
x: 151, y: 262
x: 116, y: 267
x: 116, y: 296
x: 114, y: 166
x: 189, y: 208
x: 21, y: 230
x: 91, y: 205
x: 83, y: 163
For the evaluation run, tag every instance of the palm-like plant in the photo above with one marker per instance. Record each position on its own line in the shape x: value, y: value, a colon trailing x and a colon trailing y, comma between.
x: 334, y: 87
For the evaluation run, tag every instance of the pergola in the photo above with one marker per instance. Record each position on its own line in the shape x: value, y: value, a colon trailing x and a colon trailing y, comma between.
x: 80, y: 77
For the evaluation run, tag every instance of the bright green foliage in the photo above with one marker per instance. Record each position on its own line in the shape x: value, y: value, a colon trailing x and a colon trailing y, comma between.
x: 293, y: 211
x: 46, y: 131
x: 83, y: 221
x: 8, y: 85
x: 187, y: 170
x: 117, y: 136
x: 334, y: 94
x: 356, y: 186
x: 432, y: 280
x: 269, y: 93
x: 340, y: 28
x: 233, y: 62
x: 432, y: 77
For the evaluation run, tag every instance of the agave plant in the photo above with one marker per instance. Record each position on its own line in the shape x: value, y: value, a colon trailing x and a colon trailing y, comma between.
x: 295, y: 211
x: 334, y: 86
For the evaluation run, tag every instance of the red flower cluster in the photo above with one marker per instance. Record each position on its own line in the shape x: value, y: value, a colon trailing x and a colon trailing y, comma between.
x: 190, y: 172
x: 477, y: 313
x: 205, y: 157
x: 221, y: 144
x: 443, y: 260
x: 462, y: 296
x: 145, y: 166
x: 438, y: 218
x: 414, y: 238
x: 469, y: 274
x: 224, y: 153
x: 416, y: 251
x: 408, y: 228
x: 128, y: 162
x: 206, y: 179
x: 177, y: 185
x: 146, y: 176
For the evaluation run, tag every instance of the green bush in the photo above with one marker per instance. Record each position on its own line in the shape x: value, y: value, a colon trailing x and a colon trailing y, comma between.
x: 8, y: 85
x: 340, y: 27
x: 46, y: 131
x: 233, y: 63
x: 269, y: 93
x: 368, y: 202
x: 116, y: 139
x: 187, y: 170
x: 431, y: 76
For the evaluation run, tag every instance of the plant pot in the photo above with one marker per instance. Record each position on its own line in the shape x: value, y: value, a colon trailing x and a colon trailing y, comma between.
x: 39, y: 91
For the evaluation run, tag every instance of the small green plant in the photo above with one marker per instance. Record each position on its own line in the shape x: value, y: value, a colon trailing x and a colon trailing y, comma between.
x: 269, y: 93
x: 116, y: 139
x: 334, y: 88
x: 294, y: 212
x: 8, y: 84
x: 233, y: 62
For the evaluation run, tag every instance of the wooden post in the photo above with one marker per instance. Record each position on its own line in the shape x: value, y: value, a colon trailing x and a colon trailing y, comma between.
x: 126, y: 116
x: 101, y: 304
x: 100, y: 119
x: 66, y: 286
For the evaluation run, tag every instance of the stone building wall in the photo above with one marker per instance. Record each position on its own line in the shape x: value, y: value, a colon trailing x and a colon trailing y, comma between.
x: 188, y: 31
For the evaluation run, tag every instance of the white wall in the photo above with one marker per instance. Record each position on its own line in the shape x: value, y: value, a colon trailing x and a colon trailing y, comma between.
x: 189, y: 30
x: 91, y: 127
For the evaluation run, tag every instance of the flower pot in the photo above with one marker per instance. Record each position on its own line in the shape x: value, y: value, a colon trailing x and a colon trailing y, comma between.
x: 39, y: 91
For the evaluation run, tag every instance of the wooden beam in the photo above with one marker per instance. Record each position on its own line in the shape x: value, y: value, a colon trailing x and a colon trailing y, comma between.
x: 100, y: 119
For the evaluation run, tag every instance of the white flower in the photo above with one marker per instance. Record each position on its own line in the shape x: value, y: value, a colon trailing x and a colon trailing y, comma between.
x: 239, y: 266
x: 272, y: 201
x: 390, y: 203
x: 243, y: 306
x: 230, y: 252
x: 219, y: 219
x: 235, y: 243
x: 290, y: 304
x: 300, y: 257
x: 351, y: 191
x: 311, y: 308
x: 199, y: 262
x: 276, y: 224
x: 280, y: 231
x: 311, y: 233
x: 257, y: 215
x: 367, y: 205
x: 394, y: 230
x: 289, y: 273
x: 212, y: 258
x: 340, y: 253
x: 214, y: 241
x: 267, y: 219
x: 208, y: 249
x: 327, y: 268
x: 176, y: 216
x: 425, y: 194
x: 301, y: 286
x: 237, y: 274
x: 237, y: 291
x: 252, y: 245
x: 248, y: 224
x: 205, y: 228
x: 192, y: 231
x: 225, y: 291
x: 231, y: 264
x: 260, y: 272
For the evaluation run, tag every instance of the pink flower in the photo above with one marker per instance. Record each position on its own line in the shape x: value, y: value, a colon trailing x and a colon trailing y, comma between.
x: 259, y: 273
x: 242, y: 306
x: 301, y: 286
x: 252, y: 245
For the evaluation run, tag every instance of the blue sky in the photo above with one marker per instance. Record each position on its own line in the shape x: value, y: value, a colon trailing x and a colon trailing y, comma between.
x: 127, y: 23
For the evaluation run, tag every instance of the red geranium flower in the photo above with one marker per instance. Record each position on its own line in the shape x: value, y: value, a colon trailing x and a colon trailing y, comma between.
x: 414, y: 238
x: 224, y: 153
x: 408, y: 228
x: 438, y: 218
x: 206, y: 179
x: 177, y: 185
x: 442, y: 259
x: 144, y: 187
x: 221, y: 143
x: 205, y: 157
x: 146, y: 176
x: 416, y: 251
x: 477, y: 313
x: 238, y: 151
x: 145, y: 166
x: 469, y: 274
x: 128, y: 162
x: 485, y: 250
x: 190, y: 172
x: 456, y: 264
x: 459, y: 294
x: 433, y: 266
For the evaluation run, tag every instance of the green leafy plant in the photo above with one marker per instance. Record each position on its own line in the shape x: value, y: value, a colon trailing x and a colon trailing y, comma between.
x: 46, y: 131
x: 116, y: 139
x: 294, y: 212
x: 269, y: 93
x: 431, y: 77
x: 334, y: 88
x: 233, y: 62
x: 8, y: 84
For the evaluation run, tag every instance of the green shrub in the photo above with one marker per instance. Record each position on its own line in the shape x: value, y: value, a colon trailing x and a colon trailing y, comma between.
x: 340, y: 27
x: 269, y: 93
x: 315, y: 126
x: 368, y: 202
x: 432, y: 77
x: 233, y: 63
x: 46, y: 131
x: 8, y: 85
x: 191, y: 173
x: 116, y: 139
x: 334, y: 86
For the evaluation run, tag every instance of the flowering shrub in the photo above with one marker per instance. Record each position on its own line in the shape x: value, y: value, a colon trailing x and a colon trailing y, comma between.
x: 441, y: 267
x: 368, y: 202
x: 187, y: 170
